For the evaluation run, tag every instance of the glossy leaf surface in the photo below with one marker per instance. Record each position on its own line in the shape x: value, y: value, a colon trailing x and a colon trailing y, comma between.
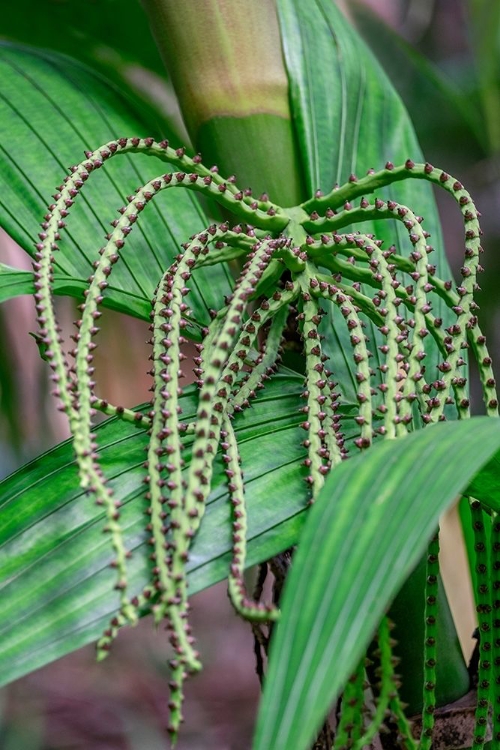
x: 52, y: 109
x: 350, y: 119
x: 112, y: 36
x: 56, y: 584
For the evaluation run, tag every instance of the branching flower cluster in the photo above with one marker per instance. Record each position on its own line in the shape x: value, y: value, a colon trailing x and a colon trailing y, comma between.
x: 299, y: 264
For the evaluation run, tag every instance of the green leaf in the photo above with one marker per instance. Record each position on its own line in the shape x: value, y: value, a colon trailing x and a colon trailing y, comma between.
x: 484, y: 27
x: 15, y: 282
x: 486, y: 485
x: 57, y: 588
x: 425, y: 89
x: 349, y: 119
x: 110, y: 34
x: 51, y: 109
x: 362, y: 538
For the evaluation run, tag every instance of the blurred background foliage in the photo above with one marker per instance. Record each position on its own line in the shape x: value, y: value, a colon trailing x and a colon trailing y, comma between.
x: 443, y: 57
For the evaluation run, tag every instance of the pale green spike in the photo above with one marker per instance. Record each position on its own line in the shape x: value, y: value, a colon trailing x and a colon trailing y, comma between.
x: 167, y: 324
x: 245, y: 325
x: 268, y: 358
x: 350, y: 725
x: 370, y: 310
x: 466, y: 319
x: 243, y: 604
x: 483, y: 597
x: 387, y: 687
x: 120, y: 412
x: 392, y: 210
x: 361, y: 357
x: 402, y: 723
x: 430, y: 638
x: 316, y: 387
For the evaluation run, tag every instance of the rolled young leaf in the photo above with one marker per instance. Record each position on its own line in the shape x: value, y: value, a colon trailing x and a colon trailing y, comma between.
x: 227, y: 68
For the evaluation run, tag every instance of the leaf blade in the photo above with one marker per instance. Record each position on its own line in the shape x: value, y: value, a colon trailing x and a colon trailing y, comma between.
x: 366, y: 531
x: 52, y: 108
x: 56, y: 584
x: 349, y: 119
x: 87, y: 31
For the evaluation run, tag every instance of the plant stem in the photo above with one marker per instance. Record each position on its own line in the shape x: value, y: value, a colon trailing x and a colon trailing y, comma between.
x: 226, y: 64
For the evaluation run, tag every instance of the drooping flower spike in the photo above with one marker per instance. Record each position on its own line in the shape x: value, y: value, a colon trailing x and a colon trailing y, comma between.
x: 297, y: 270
